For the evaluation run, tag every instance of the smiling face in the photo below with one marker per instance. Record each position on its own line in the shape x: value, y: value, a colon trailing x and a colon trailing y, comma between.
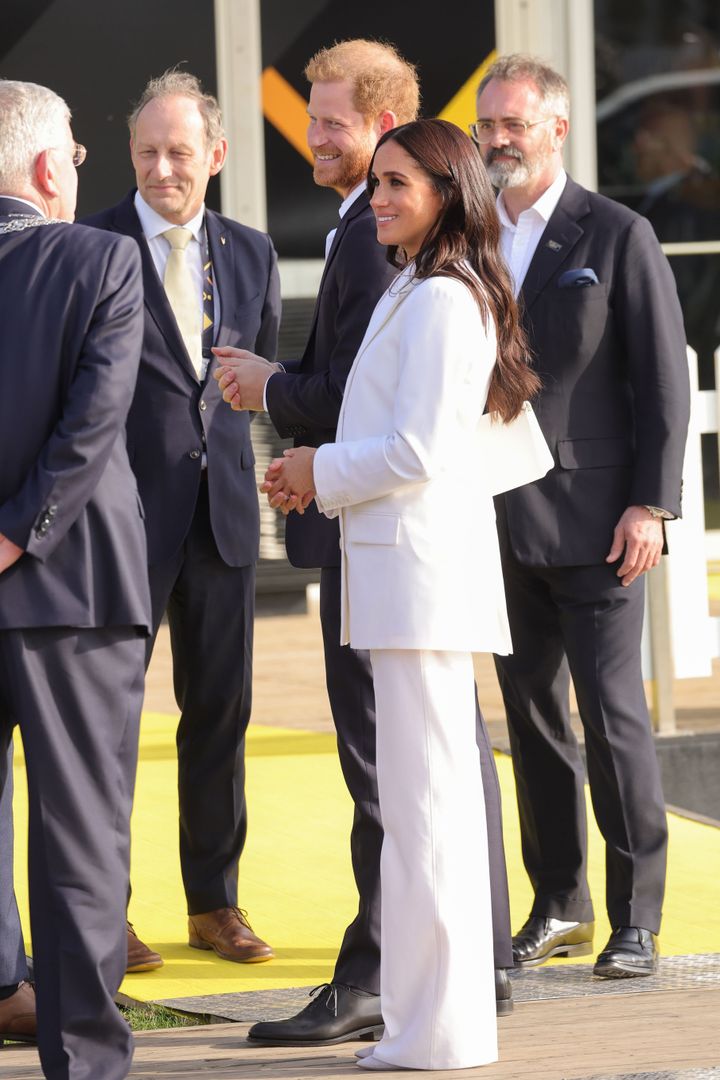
x: 405, y: 202
x: 520, y: 160
x: 341, y: 139
x: 172, y: 160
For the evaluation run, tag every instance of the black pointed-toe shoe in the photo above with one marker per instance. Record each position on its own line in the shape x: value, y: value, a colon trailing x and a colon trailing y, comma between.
x: 630, y: 951
x: 336, y: 1014
x: 540, y: 939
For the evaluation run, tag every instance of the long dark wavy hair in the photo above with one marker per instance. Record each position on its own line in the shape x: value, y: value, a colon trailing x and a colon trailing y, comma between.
x: 467, y: 234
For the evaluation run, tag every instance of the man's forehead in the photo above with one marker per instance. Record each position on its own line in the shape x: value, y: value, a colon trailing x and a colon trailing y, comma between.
x: 509, y: 97
x: 329, y: 97
x: 176, y: 112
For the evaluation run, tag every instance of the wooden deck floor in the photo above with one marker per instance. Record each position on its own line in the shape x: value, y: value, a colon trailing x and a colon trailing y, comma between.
x: 617, y: 1035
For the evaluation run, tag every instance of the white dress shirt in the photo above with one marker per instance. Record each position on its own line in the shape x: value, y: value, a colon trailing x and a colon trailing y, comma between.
x: 519, y: 241
x: 344, y: 207
x: 153, y: 226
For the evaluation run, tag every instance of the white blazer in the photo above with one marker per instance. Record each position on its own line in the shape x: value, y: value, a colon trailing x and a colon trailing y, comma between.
x: 420, y: 556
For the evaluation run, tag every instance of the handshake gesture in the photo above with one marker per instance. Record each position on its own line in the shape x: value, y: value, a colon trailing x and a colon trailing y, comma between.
x: 289, y: 483
x: 242, y: 377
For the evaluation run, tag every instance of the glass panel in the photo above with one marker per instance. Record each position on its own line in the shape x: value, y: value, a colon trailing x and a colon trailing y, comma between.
x: 658, y: 112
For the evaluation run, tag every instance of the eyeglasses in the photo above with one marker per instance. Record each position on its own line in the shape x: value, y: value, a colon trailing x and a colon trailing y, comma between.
x: 79, y: 154
x: 483, y: 131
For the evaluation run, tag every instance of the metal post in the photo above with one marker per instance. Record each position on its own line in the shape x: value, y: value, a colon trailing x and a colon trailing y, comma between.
x: 563, y: 33
x: 663, y: 666
x: 239, y: 67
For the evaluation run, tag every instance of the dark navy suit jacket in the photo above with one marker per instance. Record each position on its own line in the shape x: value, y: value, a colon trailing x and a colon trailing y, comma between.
x: 305, y: 403
x: 174, y: 418
x: 614, y: 405
x: 70, y: 336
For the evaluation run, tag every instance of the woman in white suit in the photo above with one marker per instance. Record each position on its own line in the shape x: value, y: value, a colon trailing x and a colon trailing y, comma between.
x: 422, y: 584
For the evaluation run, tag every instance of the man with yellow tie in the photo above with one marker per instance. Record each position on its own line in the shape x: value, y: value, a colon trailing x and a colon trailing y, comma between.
x: 208, y: 281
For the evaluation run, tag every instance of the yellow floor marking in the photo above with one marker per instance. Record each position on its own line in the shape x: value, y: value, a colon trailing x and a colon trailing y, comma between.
x: 295, y: 877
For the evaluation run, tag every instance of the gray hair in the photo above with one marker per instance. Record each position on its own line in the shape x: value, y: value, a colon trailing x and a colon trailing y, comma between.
x: 32, y: 119
x: 174, y: 83
x: 521, y: 67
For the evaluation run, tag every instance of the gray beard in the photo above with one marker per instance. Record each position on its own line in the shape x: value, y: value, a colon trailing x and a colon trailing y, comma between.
x: 506, y: 174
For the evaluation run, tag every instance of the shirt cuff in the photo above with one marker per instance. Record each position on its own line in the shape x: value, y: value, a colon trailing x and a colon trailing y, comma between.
x: 264, y: 399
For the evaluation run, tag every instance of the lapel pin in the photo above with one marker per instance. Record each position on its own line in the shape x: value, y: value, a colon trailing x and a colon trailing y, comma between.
x: 553, y: 245
x: 222, y: 240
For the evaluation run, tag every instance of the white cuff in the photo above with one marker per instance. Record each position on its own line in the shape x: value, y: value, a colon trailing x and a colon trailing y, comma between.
x: 265, y: 408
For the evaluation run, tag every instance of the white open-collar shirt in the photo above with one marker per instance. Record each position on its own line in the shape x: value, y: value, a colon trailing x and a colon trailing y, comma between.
x: 519, y: 241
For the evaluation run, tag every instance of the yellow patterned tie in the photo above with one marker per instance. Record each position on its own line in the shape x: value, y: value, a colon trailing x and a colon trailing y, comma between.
x: 184, y: 298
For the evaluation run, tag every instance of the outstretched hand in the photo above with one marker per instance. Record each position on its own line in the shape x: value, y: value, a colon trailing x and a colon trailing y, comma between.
x: 289, y: 483
x: 242, y: 377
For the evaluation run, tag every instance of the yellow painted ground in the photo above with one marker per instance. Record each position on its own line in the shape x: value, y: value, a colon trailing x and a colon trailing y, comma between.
x: 714, y: 586
x: 295, y: 875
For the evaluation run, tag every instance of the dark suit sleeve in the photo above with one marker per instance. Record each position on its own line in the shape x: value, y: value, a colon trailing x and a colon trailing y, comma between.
x: 267, y: 339
x: 71, y: 462
x: 361, y: 274
x: 651, y: 321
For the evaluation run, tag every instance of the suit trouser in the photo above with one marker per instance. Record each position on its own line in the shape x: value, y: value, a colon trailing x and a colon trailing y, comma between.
x: 76, y: 697
x: 581, y: 621
x: 436, y: 973
x: 352, y: 702
x: 210, y: 609
x: 13, y: 968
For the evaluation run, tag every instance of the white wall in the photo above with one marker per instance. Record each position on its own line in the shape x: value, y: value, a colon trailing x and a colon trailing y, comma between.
x: 561, y: 32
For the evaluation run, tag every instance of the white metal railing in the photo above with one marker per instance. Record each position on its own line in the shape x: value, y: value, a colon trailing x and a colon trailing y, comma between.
x: 680, y: 636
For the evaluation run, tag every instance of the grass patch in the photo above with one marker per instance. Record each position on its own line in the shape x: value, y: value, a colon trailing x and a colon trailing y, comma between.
x: 156, y: 1017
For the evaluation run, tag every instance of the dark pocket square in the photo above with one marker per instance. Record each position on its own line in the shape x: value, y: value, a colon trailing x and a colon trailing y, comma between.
x: 577, y: 279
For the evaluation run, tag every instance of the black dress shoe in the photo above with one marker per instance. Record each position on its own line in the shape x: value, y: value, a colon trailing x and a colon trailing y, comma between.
x: 540, y: 939
x: 630, y: 951
x: 336, y: 1014
x: 503, y: 992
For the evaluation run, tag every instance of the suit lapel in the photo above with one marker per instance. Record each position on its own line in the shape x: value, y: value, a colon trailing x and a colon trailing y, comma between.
x: 156, y: 301
x: 385, y: 309
x: 561, y: 234
x: 361, y: 204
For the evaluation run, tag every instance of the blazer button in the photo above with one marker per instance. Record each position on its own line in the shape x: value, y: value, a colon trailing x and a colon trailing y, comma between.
x: 194, y: 454
x: 203, y: 406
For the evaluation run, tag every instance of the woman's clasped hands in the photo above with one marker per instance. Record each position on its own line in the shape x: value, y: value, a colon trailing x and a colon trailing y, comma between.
x: 289, y: 483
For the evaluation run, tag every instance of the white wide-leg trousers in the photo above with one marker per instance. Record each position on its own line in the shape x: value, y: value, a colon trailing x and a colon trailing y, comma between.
x: 437, y: 980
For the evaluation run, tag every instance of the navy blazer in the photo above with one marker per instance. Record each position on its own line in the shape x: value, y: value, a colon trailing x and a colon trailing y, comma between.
x: 174, y: 418
x: 305, y: 403
x: 70, y: 336
x: 614, y: 406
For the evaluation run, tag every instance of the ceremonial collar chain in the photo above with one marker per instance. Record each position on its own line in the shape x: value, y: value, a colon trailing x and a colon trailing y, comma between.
x: 17, y: 222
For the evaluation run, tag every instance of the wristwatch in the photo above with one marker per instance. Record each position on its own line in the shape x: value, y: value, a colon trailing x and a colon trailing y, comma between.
x: 657, y: 512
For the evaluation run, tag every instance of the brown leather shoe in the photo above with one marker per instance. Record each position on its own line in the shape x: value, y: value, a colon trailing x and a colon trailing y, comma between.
x: 17, y: 1016
x: 228, y: 932
x: 140, y: 957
